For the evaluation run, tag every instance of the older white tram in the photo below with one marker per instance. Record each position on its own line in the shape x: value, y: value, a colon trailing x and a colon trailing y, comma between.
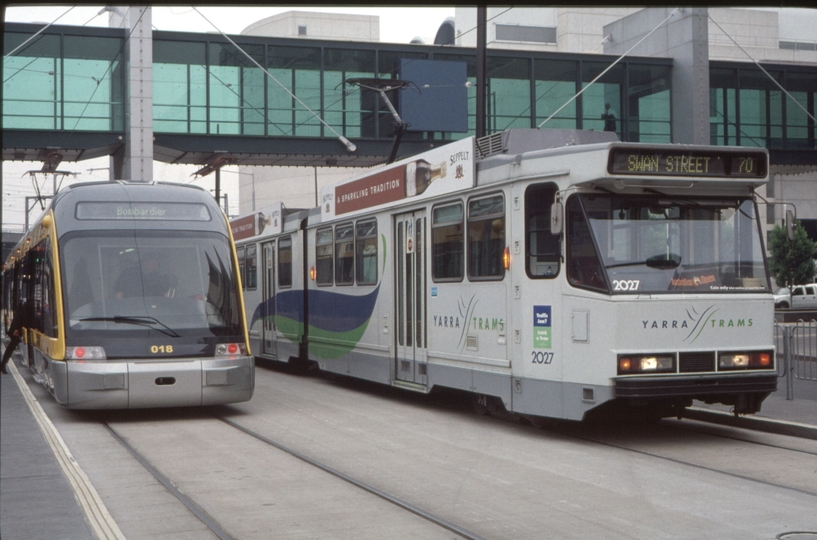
x: 557, y: 273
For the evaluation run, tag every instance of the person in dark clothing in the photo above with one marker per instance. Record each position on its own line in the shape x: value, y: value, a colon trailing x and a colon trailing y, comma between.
x: 609, y: 118
x: 21, y: 319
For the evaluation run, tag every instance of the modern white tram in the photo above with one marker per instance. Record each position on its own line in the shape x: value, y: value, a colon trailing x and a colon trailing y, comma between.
x: 134, y: 299
x: 554, y: 273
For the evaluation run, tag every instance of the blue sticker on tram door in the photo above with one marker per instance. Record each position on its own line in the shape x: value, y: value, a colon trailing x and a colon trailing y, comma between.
x: 541, y: 327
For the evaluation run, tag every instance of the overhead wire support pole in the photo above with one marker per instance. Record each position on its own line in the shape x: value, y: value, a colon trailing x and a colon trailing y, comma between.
x: 216, y: 164
x: 38, y: 198
x: 481, y: 71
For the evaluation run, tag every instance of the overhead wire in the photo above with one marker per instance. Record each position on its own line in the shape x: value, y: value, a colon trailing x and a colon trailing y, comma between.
x: 43, y: 29
x: 355, y: 90
x: 26, y: 42
x: 619, y: 59
x: 349, y: 145
x: 762, y: 69
x: 110, y: 67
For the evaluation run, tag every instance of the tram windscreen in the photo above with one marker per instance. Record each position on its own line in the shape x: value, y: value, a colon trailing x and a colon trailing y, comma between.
x: 649, y: 245
x: 121, y: 286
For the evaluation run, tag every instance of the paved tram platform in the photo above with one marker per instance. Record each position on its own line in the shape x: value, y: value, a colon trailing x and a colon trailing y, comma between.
x: 33, y: 477
x: 37, y: 501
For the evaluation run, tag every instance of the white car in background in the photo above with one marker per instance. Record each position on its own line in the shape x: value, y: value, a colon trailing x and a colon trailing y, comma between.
x: 782, y: 298
x: 803, y: 296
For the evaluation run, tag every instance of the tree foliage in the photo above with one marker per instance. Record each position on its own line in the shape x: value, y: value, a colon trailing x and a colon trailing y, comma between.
x: 792, y: 262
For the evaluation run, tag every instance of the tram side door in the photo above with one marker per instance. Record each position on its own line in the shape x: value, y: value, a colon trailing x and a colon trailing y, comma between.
x: 410, y: 297
x: 268, y: 300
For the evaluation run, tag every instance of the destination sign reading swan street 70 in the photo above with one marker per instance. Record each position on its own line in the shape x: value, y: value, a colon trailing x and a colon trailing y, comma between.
x: 687, y: 162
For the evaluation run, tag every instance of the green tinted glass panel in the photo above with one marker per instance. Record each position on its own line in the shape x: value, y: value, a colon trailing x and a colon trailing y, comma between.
x: 179, y: 87
x: 509, y: 102
x: 648, y: 104
x: 602, y: 103
x: 555, y: 84
x: 236, y: 90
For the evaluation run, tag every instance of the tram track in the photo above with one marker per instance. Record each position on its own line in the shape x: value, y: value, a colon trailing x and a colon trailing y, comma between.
x: 607, y: 437
x: 357, y: 483
x: 316, y: 458
x: 709, y: 431
x: 197, y: 511
x: 211, y: 523
x: 600, y: 436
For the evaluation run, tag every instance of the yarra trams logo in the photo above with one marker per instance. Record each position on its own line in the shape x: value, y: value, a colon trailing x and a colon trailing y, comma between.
x: 696, y: 323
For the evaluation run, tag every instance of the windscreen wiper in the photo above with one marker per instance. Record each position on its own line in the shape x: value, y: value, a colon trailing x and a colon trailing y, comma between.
x: 150, y: 322
x: 662, y: 262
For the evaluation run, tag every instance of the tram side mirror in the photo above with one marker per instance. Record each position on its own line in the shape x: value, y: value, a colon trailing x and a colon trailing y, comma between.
x: 556, y: 218
x: 790, y: 225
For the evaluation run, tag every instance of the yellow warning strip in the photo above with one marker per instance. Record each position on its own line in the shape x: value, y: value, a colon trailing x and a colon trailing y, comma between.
x: 96, y: 514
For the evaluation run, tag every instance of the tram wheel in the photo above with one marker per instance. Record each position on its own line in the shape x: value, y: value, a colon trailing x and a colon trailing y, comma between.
x: 486, y: 405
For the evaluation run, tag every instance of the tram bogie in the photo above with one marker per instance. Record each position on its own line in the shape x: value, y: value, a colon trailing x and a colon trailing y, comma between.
x: 557, y: 273
x: 134, y: 299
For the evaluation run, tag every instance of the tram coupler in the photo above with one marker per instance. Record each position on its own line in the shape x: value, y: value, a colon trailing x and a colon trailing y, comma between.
x: 748, y: 404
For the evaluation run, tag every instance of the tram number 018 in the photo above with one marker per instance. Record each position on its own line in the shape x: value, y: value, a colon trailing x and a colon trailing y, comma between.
x: 161, y: 349
x: 539, y: 357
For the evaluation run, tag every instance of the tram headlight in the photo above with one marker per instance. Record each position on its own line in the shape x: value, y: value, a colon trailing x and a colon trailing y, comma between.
x: 231, y: 349
x: 746, y: 360
x: 630, y: 364
x: 87, y: 354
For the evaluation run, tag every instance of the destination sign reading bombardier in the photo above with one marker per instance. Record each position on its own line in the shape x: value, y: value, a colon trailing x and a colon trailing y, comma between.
x: 102, y: 210
x: 669, y: 162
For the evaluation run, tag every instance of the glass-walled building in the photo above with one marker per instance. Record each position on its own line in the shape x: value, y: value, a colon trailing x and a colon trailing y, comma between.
x: 68, y: 79
x: 286, y: 100
x: 750, y: 108
x: 72, y: 80
x: 204, y: 85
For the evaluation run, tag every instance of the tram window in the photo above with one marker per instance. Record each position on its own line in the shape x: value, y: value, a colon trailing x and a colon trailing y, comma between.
x: 583, y: 266
x: 486, y: 238
x: 542, y: 248
x: 285, y: 262
x: 242, y: 267
x: 344, y: 254
x: 20, y: 286
x: 447, y: 243
x: 366, y: 251
x: 323, y: 247
x: 252, y: 267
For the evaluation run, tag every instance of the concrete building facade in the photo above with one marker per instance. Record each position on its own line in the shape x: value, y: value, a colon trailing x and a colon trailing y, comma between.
x: 312, y: 25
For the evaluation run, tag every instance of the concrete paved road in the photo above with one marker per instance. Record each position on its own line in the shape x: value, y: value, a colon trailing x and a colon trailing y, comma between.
x: 495, y: 478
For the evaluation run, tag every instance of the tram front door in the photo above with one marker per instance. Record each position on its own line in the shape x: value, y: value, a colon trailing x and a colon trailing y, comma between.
x: 410, y: 300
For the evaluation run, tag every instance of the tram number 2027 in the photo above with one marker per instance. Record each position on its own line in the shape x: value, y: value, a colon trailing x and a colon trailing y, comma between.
x: 539, y: 357
x: 625, y: 284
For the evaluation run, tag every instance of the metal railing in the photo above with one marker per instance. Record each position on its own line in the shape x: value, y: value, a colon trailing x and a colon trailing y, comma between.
x: 796, y: 345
